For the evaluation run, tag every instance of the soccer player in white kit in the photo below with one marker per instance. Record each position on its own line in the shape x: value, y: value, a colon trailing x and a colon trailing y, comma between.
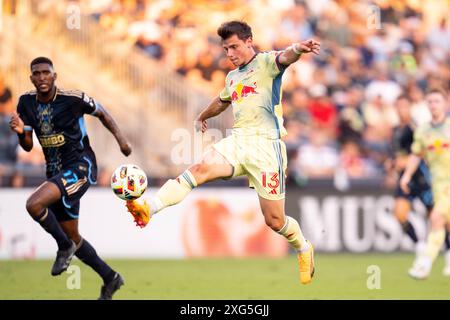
x: 254, y: 148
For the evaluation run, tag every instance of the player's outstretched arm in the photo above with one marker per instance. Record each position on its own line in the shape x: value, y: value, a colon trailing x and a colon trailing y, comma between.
x: 411, y: 167
x: 292, y: 53
x: 216, y: 107
x: 111, y: 125
x: 25, y: 136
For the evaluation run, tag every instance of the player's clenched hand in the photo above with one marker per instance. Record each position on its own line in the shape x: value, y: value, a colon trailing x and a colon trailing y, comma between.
x: 16, y: 124
x: 125, y: 148
x: 307, y: 46
x: 200, y: 125
x: 404, y: 183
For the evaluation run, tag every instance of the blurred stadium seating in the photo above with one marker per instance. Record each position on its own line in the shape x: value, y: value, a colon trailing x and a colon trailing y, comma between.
x: 155, y: 64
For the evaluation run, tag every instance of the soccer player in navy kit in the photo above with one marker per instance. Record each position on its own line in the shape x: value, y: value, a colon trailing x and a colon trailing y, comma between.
x: 56, y: 116
x: 402, y: 140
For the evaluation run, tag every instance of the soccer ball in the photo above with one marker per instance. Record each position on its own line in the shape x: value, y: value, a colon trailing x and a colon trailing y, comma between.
x: 128, y: 182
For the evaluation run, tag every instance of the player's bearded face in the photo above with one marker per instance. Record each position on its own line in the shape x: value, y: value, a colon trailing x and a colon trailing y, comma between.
x: 43, y: 77
x: 238, y: 51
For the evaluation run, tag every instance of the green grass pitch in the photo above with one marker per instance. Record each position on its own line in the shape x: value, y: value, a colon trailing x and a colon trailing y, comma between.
x: 338, y: 276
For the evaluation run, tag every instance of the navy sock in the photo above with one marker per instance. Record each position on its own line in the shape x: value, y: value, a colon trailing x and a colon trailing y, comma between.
x: 409, y: 230
x: 88, y: 255
x: 48, y: 221
x: 447, y: 240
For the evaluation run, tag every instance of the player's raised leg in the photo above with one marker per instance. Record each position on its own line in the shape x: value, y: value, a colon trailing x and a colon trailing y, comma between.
x: 85, y: 252
x: 37, y: 206
x: 212, y: 166
x: 288, y: 227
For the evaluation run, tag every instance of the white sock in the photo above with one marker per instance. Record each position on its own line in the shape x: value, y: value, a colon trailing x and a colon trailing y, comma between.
x: 173, y: 191
x: 293, y: 234
x: 155, y: 205
x: 447, y: 258
x: 421, y: 247
x: 305, y: 246
x: 426, y: 262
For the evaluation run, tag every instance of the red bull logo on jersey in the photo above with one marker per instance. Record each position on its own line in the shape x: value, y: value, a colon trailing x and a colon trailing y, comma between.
x: 438, y: 146
x: 243, y: 91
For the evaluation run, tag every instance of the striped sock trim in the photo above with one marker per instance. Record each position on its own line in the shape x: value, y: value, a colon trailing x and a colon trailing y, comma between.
x: 188, y: 180
x: 187, y: 175
x: 42, y: 216
x: 80, y: 244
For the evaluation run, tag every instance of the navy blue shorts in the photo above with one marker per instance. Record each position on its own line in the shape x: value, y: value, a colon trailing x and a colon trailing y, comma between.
x: 420, y: 187
x: 73, y: 182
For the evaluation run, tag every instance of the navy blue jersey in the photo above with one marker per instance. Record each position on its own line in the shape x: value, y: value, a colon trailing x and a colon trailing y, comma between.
x: 420, y: 185
x: 402, y: 139
x: 59, y: 126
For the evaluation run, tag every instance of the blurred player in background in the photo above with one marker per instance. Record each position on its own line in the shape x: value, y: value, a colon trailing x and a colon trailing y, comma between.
x: 56, y: 116
x: 420, y: 184
x: 432, y: 143
x: 255, y: 148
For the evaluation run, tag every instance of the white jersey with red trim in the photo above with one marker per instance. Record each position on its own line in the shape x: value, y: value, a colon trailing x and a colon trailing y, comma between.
x: 254, y: 91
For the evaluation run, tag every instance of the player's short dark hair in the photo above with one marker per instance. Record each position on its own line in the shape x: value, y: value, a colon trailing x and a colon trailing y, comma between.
x: 439, y: 90
x: 41, y: 60
x: 235, y: 27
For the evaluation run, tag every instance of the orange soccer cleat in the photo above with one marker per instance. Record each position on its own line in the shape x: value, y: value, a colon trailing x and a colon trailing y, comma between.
x: 139, y: 211
x: 306, y: 264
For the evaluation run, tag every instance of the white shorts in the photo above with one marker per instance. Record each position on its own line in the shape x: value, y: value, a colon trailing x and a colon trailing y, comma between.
x: 262, y: 160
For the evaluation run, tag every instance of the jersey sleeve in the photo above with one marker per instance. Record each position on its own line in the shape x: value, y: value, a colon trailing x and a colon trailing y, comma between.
x: 24, y: 114
x: 87, y: 104
x: 273, y: 65
x: 418, y: 146
x: 225, y: 93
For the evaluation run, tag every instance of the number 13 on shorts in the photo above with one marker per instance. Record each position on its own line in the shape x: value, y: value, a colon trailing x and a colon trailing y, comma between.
x: 271, y: 182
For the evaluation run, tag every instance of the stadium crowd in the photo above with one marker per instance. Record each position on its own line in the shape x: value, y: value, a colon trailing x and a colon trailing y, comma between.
x: 339, y: 107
